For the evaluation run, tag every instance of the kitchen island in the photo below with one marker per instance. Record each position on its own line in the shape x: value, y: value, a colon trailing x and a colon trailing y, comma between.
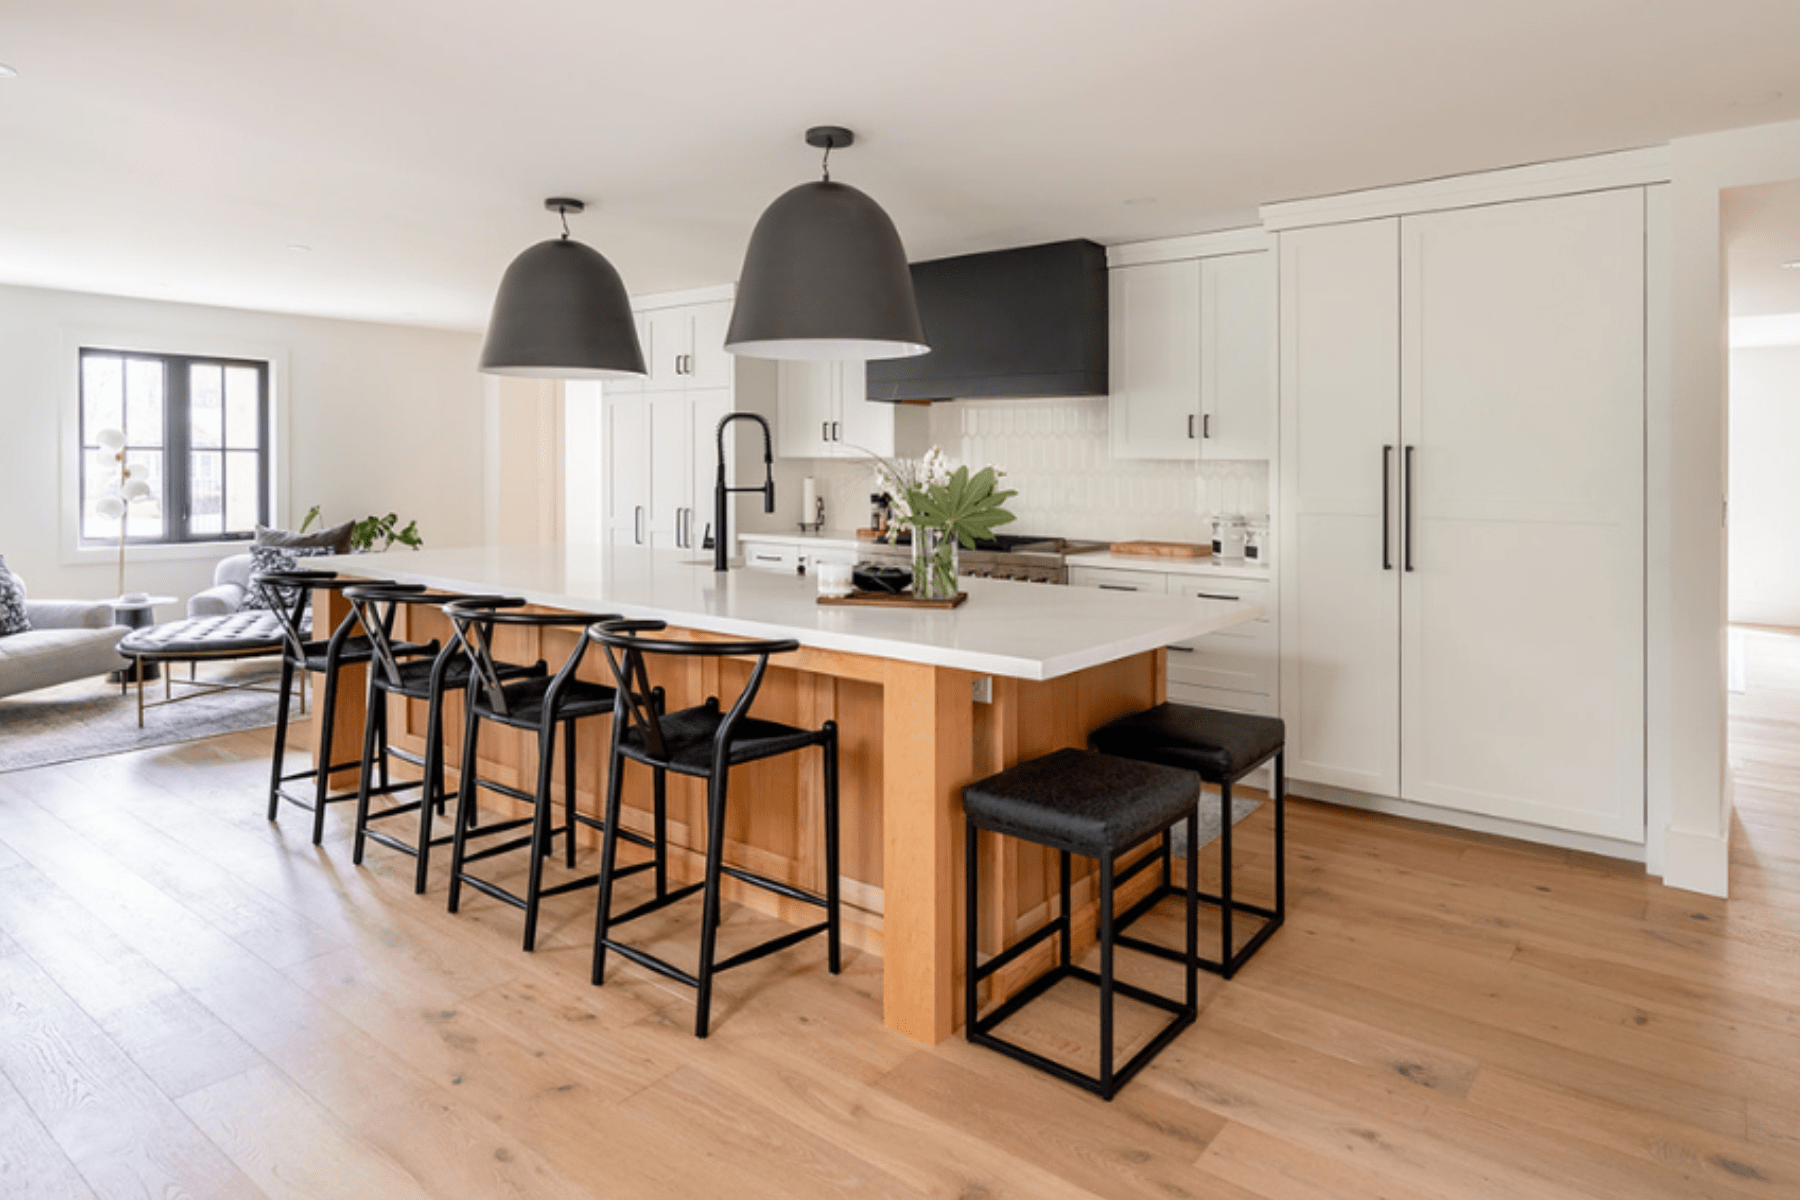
x: 926, y: 701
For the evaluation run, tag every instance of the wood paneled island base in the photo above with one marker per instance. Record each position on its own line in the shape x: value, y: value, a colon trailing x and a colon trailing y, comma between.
x: 911, y: 735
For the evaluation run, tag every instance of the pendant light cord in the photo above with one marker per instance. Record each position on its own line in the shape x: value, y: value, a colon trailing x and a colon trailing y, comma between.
x: 564, y: 214
x: 825, y: 163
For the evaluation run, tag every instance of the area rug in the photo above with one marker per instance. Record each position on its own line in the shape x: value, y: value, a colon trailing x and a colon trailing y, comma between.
x: 1209, y: 821
x: 89, y: 718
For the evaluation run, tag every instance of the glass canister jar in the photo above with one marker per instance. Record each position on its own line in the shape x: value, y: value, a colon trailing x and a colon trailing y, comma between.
x: 1228, y: 537
x: 1256, y: 539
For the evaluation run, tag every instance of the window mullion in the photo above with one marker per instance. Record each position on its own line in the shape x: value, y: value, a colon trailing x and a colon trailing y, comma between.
x: 177, y: 501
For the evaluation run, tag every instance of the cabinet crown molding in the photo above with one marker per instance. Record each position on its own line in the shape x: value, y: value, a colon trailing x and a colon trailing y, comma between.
x: 1248, y: 240
x: 1597, y: 172
x: 703, y: 295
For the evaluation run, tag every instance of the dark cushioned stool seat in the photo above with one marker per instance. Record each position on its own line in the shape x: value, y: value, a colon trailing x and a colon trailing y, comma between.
x: 244, y: 634
x: 1098, y: 806
x: 1086, y: 803
x: 688, y: 740
x: 525, y: 701
x: 1218, y: 746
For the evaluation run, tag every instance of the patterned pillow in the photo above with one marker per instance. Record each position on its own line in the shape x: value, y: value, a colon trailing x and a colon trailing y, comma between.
x: 12, y: 602
x: 275, y: 558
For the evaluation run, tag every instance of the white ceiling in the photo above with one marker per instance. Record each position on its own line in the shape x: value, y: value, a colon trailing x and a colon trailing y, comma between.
x: 179, y: 149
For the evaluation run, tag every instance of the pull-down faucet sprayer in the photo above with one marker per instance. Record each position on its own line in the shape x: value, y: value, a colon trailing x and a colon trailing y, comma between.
x: 721, y: 544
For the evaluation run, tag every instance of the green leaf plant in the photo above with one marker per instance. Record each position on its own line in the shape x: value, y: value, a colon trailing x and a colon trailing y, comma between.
x: 364, y: 533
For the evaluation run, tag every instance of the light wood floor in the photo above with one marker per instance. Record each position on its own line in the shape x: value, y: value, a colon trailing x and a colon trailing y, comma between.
x: 196, y: 1003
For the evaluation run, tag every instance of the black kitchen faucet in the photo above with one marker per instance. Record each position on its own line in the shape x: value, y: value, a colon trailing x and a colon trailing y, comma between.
x: 721, y: 545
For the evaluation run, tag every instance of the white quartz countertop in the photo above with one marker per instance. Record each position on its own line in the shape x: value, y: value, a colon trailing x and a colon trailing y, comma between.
x: 1022, y: 630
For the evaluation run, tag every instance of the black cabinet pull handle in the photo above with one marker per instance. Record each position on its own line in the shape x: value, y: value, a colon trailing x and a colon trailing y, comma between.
x: 1214, y: 596
x: 824, y: 431
x: 1407, y: 510
x: 1206, y: 425
x: 1387, y: 519
x: 836, y: 435
x: 637, y: 524
x: 1190, y: 426
x: 1118, y: 587
x: 1183, y: 649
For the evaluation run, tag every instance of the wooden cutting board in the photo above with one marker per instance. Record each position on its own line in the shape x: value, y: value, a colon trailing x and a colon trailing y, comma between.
x: 1163, y: 549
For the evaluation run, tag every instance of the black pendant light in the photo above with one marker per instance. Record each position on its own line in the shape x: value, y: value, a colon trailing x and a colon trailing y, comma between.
x: 825, y: 276
x: 562, y: 313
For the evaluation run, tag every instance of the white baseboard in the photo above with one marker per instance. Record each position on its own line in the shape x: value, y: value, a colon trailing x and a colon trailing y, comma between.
x: 1520, y: 830
x: 1697, y: 862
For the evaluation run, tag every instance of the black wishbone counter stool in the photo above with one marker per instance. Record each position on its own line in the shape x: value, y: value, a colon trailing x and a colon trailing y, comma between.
x: 704, y: 742
x: 289, y: 596
x: 537, y: 703
x: 1100, y: 807
x: 1221, y: 748
x: 429, y: 675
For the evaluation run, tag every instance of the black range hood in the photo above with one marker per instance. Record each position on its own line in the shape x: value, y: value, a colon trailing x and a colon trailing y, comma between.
x: 1025, y: 322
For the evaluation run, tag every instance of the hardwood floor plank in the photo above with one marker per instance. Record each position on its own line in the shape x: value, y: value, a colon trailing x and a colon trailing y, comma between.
x: 123, y: 1135
x: 31, y: 1163
x: 1266, y: 1165
x: 314, y: 1154
x: 166, y: 1032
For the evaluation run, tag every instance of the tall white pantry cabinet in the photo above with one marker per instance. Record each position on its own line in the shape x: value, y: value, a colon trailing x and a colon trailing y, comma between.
x: 1462, y: 550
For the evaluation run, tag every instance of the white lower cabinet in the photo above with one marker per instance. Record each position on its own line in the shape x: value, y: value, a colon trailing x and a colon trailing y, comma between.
x: 1235, y: 669
x: 1463, y: 472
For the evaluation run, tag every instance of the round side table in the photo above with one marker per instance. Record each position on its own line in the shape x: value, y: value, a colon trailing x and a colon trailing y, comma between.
x: 136, y: 614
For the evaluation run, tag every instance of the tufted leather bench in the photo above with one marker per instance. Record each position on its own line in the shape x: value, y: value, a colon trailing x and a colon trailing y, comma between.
x: 1098, y: 806
x: 250, y: 634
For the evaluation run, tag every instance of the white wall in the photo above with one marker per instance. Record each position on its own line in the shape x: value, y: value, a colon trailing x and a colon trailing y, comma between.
x: 1687, y: 476
x: 369, y: 419
x: 1765, y: 485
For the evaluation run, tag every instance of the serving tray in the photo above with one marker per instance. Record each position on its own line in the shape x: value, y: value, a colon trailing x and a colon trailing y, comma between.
x: 861, y: 599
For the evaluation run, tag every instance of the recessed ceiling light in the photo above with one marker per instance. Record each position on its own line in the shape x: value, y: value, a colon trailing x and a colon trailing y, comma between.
x: 1137, y: 200
x: 1792, y: 266
x: 299, y: 248
x: 7, y: 72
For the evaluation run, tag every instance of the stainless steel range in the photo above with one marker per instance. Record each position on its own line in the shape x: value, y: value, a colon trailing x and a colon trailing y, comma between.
x: 1026, y: 559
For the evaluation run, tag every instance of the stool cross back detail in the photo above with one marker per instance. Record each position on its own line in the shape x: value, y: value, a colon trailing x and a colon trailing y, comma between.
x: 539, y: 703
x: 702, y: 742
x: 430, y: 673
x: 288, y: 594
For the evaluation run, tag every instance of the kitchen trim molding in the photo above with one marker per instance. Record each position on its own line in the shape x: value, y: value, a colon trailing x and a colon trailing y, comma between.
x: 1252, y: 239
x: 1597, y: 172
x: 1543, y: 835
x: 704, y: 295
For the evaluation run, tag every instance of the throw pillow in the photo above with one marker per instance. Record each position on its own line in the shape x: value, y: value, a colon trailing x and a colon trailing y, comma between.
x: 264, y: 559
x: 12, y: 602
x: 337, y: 537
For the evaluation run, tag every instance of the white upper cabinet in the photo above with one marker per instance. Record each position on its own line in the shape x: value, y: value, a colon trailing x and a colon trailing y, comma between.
x: 1154, y: 309
x: 1237, y: 356
x: 1193, y: 358
x: 684, y: 347
x: 826, y: 413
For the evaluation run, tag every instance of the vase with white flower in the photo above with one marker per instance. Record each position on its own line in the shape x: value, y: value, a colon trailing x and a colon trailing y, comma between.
x: 944, y: 505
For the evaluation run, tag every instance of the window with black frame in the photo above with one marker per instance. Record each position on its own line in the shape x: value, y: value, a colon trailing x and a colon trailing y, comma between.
x: 192, y: 430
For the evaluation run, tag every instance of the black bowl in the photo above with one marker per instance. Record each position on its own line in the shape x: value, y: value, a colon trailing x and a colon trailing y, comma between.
x: 873, y: 577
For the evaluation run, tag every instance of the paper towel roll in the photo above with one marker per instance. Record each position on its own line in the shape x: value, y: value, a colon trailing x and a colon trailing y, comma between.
x: 809, y: 499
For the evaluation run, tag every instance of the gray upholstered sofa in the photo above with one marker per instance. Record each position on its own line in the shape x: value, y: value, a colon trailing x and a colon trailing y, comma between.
x: 231, y: 579
x: 68, y: 640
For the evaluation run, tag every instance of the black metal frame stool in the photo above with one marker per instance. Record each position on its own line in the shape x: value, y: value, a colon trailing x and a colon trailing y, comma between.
x: 705, y: 743
x: 1221, y: 748
x: 1078, y: 802
x: 289, y: 593
x: 435, y: 670
x: 538, y: 702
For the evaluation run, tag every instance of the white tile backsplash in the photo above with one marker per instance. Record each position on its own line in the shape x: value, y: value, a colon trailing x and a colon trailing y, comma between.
x: 1055, y: 454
